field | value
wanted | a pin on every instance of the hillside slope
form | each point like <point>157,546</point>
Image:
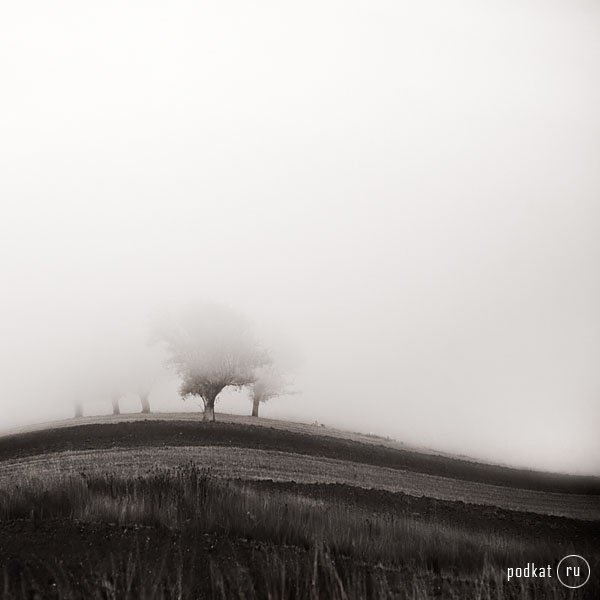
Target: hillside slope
<point>261,451</point>
<point>277,510</point>
<point>232,430</point>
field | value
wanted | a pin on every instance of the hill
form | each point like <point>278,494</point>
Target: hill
<point>274,509</point>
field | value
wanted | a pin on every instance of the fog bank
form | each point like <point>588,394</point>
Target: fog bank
<point>407,192</point>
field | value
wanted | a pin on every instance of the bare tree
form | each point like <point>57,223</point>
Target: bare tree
<point>211,348</point>
<point>268,383</point>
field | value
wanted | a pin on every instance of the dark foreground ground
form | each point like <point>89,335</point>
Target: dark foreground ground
<point>183,533</point>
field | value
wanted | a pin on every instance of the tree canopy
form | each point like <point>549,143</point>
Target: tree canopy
<point>211,347</point>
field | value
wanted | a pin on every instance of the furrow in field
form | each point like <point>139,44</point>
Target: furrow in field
<point>248,463</point>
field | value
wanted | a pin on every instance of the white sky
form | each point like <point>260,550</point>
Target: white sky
<point>408,190</point>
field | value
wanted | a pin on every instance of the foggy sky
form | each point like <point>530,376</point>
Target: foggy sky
<point>407,190</point>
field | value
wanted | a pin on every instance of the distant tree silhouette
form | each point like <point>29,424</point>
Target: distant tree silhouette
<point>144,394</point>
<point>268,383</point>
<point>115,403</point>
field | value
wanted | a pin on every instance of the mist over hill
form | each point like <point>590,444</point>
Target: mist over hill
<point>411,198</point>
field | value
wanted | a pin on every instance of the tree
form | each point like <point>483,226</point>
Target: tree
<point>268,383</point>
<point>145,370</point>
<point>143,394</point>
<point>115,403</point>
<point>113,367</point>
<point>211,348</point>
<point>137,372</point>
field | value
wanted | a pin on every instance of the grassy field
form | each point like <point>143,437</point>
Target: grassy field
<point>222,521</point>
<point>133,431</point>
<point>250,463</point>
<point>342,550</point>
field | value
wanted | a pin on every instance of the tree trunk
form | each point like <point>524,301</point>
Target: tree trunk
<point>145,404</point>
<point>209,410</point>
<point>116,407</point>
<point>78,410</point>
<point>255,403</point>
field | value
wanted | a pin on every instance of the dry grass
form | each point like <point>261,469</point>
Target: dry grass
<point>187,497</point>
<point>313,575</point>
<point>349,555</point>
<point>249,463</point>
